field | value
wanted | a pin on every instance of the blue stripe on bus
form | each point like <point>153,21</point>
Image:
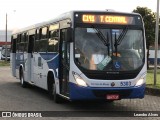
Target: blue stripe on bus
<point>47,56</point>
<point>52,63</point>
<point>84,93</point>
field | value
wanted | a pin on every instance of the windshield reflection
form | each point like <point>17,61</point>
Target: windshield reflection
<point>109,49</point>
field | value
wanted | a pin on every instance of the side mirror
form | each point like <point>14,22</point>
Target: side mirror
<point>69,34</point>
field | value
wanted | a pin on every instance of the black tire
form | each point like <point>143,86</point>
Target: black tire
<point>22,82</point>
<point>52,92</point>
<point>50,87</point>
<point>56,97</point>
<point>53,95</point>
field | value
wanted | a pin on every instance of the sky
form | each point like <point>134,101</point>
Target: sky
<point>23,13</point>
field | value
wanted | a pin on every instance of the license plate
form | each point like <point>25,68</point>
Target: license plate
<point>112,97</point>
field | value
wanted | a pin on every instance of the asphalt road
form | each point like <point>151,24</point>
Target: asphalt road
<point>15,98</point>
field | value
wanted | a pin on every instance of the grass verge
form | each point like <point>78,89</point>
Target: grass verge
<point>150,78</point>
<point>4,63</point>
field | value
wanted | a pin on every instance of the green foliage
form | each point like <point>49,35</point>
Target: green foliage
<point>150,78</point>
<point>4,63</point>
<point>149,22</point>
<point>149,19</point>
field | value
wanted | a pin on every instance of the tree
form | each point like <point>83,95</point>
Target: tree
<point>149,23</point>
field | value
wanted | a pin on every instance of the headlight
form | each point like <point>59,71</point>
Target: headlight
<point>79,79</point>
<point>140,82</point>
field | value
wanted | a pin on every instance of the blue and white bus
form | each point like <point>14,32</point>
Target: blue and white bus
<point>83,55</point>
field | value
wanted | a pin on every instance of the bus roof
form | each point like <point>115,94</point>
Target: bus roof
<point>67,15</point>
<point>59,18</point>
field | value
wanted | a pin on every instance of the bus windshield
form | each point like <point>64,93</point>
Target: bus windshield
<point>100,49</point>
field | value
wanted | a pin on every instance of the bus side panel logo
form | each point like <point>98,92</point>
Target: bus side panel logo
<point>112,84</point>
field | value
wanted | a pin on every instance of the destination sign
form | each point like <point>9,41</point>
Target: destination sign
<point>107,19</point>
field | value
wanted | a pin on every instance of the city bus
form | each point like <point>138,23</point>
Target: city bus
<point>83,55</point>
<point>3,52</point>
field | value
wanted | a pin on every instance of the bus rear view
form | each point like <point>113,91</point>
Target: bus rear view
<point>109,60</point>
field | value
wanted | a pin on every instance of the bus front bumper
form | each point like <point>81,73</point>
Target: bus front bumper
<point>90,93</point>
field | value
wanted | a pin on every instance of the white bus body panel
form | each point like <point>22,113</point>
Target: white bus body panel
<point>13,64</point>
<point>39,71</point>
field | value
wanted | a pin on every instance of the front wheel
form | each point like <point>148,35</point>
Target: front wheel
<point>55,96</point>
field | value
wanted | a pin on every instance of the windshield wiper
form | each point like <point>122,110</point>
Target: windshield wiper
<point>120,38</point>
<point>123,33</point>
<point>102,38</point>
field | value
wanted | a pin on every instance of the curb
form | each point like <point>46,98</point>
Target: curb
<point>152,91</point>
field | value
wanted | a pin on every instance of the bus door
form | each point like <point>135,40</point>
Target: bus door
<point>64,63</point>
<point>29,63</point>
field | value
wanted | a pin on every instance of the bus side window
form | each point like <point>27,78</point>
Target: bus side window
<point>13,45</point>
<point>40,32</point>
<point>21,43</point>
<point>53,41</point>
<point>43,42</point>
<point>37,34</point>
<point>43,34</point>
<point>31,43</point>
<point>36,43</point>
<point>31,39</point>
<point>17,46</point>
<point>25,42</point>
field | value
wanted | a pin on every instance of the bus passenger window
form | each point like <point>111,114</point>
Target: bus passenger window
<point>21,45</point>
<point>44,33</point>
<point>43,42</point>
<point>53,41</point>
<point>25,36</point>
<point>43,45</point>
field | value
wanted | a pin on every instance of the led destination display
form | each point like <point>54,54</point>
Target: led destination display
<point>107,19</point>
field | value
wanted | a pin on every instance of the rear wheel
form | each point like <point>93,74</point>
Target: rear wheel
<point>23,83</point>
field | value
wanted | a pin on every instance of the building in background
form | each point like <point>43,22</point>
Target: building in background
<point>3,37</point>
<point>152,55</point>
